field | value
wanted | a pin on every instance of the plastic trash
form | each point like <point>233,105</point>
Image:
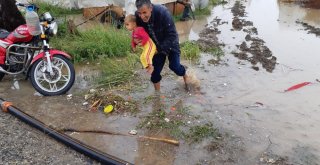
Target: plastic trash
<point>297,86</point>
<point>108,108</point>
<point>33,23</point>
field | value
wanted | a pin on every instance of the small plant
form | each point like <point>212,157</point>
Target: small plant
<point>190,50</point>
<point>160,120</point>
<point>218,52</point>
<point>216,2</point>
<point>116,71</point>
<point>204,11</point>
<point>168,122</point>
<point>200,132</point>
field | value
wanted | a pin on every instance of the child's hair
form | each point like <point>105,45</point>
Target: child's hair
<point>130,18</point>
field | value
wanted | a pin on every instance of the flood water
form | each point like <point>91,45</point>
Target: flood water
<point>264,122</point>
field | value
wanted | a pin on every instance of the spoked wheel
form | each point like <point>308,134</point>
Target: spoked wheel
<point>59,82</point>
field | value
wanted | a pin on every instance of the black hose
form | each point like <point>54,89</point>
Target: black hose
<point>67,140</point>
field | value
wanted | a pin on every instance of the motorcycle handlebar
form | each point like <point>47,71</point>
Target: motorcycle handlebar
<point>21,4</point>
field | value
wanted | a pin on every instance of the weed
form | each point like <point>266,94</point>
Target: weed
<point>204,11</point>
<point>217,2</point>
<point>149,99</point>
<point>200,132</point>
<point>217,52</point>
<point>115,72</point>
<point>160,120</point>
<point>190,50</point>
<point>172,122</point>
<point>62,28</point>
<point>95,43</point>
<point>120,105</point>
<point>55,10</point>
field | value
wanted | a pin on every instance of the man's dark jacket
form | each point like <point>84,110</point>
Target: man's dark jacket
<point>165,34</point>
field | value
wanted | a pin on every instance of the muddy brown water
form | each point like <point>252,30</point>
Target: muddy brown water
<point>263,124</point>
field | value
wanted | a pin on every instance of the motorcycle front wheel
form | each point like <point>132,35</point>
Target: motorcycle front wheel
<point>57,84</point>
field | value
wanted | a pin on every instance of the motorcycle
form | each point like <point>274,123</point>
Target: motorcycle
<point>21,52</point>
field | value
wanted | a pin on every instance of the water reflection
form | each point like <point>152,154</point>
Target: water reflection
<point>289,13</point>
<point>189,30</point>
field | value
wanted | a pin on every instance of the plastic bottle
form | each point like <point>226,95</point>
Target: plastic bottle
<point>33,22</point>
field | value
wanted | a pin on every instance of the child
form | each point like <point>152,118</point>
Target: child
<point>141,38</point>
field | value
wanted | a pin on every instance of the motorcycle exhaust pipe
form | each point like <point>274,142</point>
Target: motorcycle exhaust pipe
<point>65,139</point>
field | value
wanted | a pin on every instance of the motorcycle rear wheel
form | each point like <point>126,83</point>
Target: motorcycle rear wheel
<point>51,85</point>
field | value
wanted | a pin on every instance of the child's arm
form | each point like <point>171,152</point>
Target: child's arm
<point>143,35</point>
<point>133,44</point>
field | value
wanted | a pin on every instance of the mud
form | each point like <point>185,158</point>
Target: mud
<point>208,38</point>
<point>257,53</point>
<point>315,4</point>
<point>259,124</point>
<point>309,28</point>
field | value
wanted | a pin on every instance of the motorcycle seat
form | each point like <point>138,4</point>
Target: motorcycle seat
<point>4,33</point>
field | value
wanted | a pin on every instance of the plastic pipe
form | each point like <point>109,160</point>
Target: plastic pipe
<point>65,139</point>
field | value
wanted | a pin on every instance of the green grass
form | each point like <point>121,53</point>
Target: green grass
<point>156,121</point>
<point>95,43</point>
<point>199,132</point>
<point>204,11</point>
<point>55,10</point>
<point>190,50</point>
<point>215,51</point>
<point>117,71</point>
<point>177,125</point>
<point>217,2</point>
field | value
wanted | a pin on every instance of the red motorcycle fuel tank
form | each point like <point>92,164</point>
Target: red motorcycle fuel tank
<point>20,34</point>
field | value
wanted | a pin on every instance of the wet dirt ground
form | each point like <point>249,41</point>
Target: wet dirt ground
<point>267,50</point>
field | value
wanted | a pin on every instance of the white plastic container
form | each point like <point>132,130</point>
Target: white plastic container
<point>33,22</point>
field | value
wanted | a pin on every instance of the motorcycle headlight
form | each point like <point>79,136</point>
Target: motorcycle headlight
<point>53,28</point>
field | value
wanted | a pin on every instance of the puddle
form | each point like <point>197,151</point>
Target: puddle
<point>262,123</point>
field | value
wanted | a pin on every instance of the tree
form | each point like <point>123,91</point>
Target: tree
<point>10,16</point>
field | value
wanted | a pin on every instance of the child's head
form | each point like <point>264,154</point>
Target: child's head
<point>130,22</point>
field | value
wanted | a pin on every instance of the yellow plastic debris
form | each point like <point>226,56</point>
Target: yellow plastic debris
<point>108,108</point>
